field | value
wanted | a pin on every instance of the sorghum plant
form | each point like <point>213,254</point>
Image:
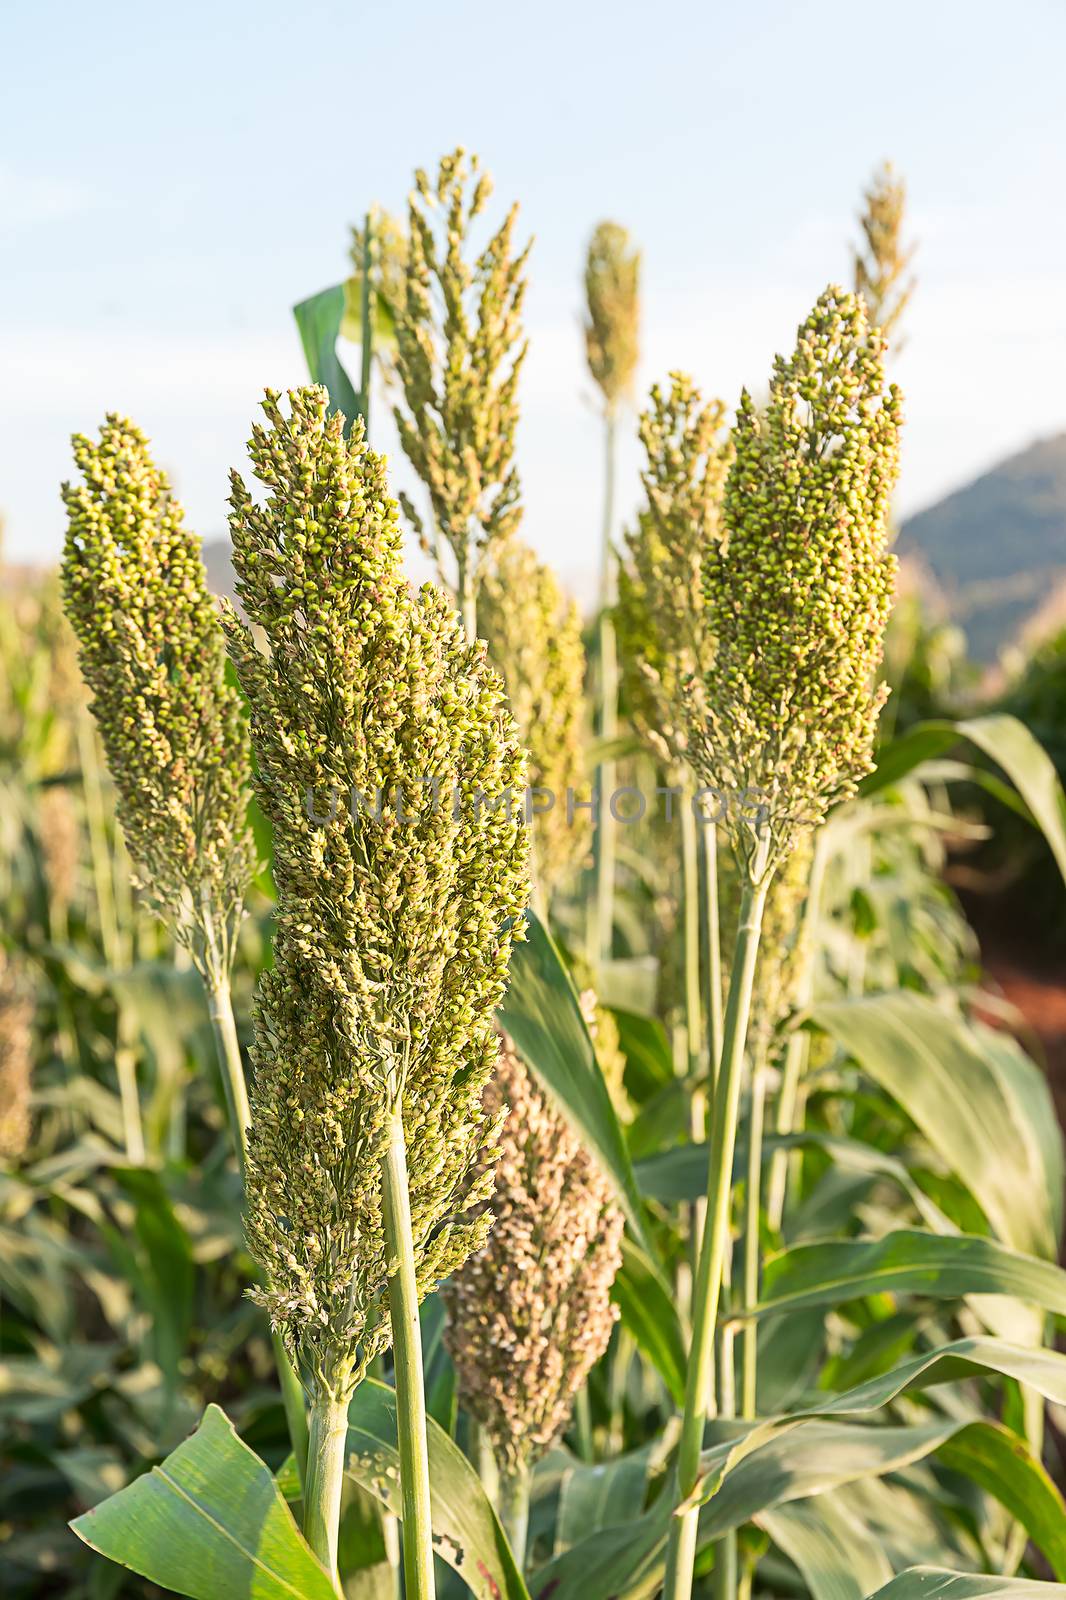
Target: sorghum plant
<point>662,629</point>
<point>798,595</point>
<point>153,656</point>
<point>460,350</point>
<point>530,1313</point>
<point>612,331</point>
<point>882,264</point>
<point>385,760</point>
<point>534,641</point>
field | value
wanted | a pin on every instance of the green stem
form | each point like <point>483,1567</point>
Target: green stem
<point>606,842</point>
<point>325,1480</point>
<point>487,1470</point>
<point>407,1355</point>
<point>681,1553</point>
<point>367,350</point>
<point>606,832</point>
<point>712,944</point>
<point>724,1575</point>
<point>228,1048</point>
<point>690,879</point>
<point>797,1049</point>
<point>749,1344</point>
<point>514,1511</point>
<point>467,597</point>
<point>583,1425</point>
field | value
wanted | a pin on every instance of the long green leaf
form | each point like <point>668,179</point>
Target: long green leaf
<point>208,1523</point>
<point>996,1459</point>
<point>979,1101</point>
<point>680,1175</point>
<point>542,1014</point>
<point>466,1532</point>
<point>1005,741</point>
<point>936,1583</point>
<point>625,1562</point>
<point>594,1495</point>
<point>319,320</point>
<point>837,1557</point>
<point>762,1464</point>
<point>907,1262</point>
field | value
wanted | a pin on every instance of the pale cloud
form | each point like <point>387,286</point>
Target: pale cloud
<point>29,199</point>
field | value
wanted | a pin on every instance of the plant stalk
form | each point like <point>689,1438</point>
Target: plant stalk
<point>410,1387</point>
<point>798,1047</point>
<point>681,1552</point>
<point>367,343</point>
<point>749,1343</point>
<point>514,1511</point>
<point>467,597</point>
<point>325,1480</point>
<point>690,879</point>
<point>712,945</point>
<point>227,1045</point>
<point>606,842</point>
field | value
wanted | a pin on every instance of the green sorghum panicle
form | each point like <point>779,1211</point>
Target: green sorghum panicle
<point>881,266</point>
<point>153,656</point>
<point>663,638</point>
<point>530,1314</point>
<point>460,349</point>
<point>383,744</point>
<point>799,592</point>
<point>534,641</point>
<point>612,295</point>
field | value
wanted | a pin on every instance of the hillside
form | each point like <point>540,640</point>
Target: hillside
<point>997,548</point>
<point>220,579</point>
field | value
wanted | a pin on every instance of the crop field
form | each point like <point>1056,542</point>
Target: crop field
<point>498,1097</point>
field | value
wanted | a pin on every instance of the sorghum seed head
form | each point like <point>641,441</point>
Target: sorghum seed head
<point>799,592</point>
<point>153,656</point>
<point>534,642</point>
<point>395,914</point>
<point>530,1313</point>
<point>459,366</point>
<point>664,641</point>
<point>612,295</point>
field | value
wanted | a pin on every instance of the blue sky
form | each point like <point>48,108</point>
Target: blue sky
<point>172,179</point>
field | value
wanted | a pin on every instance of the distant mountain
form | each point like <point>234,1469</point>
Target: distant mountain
<point>220,575</point>
<point>997,548</point>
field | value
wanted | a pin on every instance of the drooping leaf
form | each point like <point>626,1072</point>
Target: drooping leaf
<point>680,1175</point>
<point>164,1271</point>
<point>836,1556</point>
<point>626,1561</point>
<point>319,320</point>
<point>907,1262</point>
<point>983,1106</point>
<point>542,1015</point>
<point>593,1495</point>
<point>758,1465</point>
<point>937,1583</point>
<point>1002,1463</point>
<point>466,1532</point>
<point>1005,741</point>
<point>208,1523</point>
